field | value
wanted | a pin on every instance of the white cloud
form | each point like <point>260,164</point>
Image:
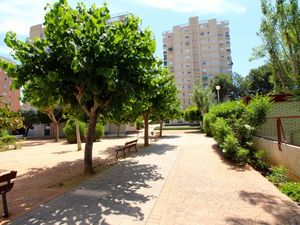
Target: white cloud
<point>199,6</point>
<point>19,15</point>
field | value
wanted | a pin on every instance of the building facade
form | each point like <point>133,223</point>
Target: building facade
<point>8,97</point>
<point>196,52</point>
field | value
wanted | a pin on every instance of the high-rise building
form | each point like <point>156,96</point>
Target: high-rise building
<point>195,53</point>
<point>7,96</point>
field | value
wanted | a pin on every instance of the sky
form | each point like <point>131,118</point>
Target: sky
<point>159,15</point>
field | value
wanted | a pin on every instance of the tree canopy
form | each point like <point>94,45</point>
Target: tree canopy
<point>280,32</point>
<point>87,59</point>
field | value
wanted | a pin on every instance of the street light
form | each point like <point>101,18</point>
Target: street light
<point>218,89</point>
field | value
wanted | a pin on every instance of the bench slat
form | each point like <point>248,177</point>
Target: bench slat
<point>8,176</point>
<point>6,188</point>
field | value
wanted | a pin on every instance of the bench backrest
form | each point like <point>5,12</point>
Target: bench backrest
<point>131,142</point>
<point>5,181</point>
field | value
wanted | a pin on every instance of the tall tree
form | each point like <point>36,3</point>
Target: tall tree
<point>10,120</point>
<point>280,32</point>
<point>240,86</point>
<point>88,59</point>
<point>260,80</point>
<point>225,83</point>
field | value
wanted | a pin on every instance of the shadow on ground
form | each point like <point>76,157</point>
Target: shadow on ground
<point>117,193</point>
<point>233,166</point>
<point>282,211</point>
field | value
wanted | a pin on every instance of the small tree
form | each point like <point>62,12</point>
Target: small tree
<point>192,114</point>
<point>202,97</point>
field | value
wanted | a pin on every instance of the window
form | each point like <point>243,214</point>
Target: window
<point>202,33</point>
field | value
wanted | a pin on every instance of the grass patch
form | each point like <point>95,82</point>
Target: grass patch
<point>179,128</point>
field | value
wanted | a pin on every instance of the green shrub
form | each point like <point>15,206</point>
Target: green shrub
<point>278,175</point>
<point>230,146</point>
<point>191,114</point>
<point>291,189</point>
<point>139,123</point>
<point>241,155</point>
<point>70,131</point>
<point>208,120</point>
<point>228,110</point>
<point>220,129</point>
<point>99,131</point>
<point>257,110</point>
<point>258,161</point>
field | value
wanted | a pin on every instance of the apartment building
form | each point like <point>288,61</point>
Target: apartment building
<point>195,53</point>
<point>7,96</point>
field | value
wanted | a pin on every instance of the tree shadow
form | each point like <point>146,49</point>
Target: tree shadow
<point>155,148</point>
<point>169,137</point>
<point>36,142</point>
<point>115,192</point>
<point>283,211</point>
<point>232,165</point>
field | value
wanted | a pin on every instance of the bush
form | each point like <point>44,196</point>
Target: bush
<point>192,114</point>
<point>230,146</point>
<point>208,120</point>
<point>139,123</point>
<point>99,131</point>
<point>292,189</point>
<point>241,155</point>
<point>70,131</point>
<point>257,109</point>
<point>278,175</point>
<point>220,130</point>
<point>258,161</point>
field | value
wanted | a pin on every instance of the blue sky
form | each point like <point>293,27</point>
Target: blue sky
<point>243,16</point>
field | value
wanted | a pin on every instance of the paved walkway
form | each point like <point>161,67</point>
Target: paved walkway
<point>181,179</point>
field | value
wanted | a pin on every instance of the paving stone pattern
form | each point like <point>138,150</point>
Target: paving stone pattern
<point>179,180</point>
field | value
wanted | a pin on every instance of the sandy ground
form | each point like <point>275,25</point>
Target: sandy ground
<point>47,169</point>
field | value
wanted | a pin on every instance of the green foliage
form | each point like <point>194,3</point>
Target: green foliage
<point>260,81</point>
<point>233,124</point>
<point>208,119</point>
<point>258,161</point>
<point>202,97</point>
<point>192,114</point>
<point>279,31</point>
<point>7,141</point>
<point>10,120</point>
<point>99,131</point>
<point>220,130</point>
<point>225,83</point>
<point>70,131</point>
<point>139,123</point>
<point>291,189</point>
<point>257,109</point>
<point>278,175</point>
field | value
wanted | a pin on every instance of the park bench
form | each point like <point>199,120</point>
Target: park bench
<point>5,186</point>
<point>128,145</point>
<point>155,136</point>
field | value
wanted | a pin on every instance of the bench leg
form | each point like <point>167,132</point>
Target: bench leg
<point>124,155</point>
<point>117,152</point>
<point>135,148</point>
<point>5,208</point>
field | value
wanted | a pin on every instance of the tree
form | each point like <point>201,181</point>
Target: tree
<point>225,83</point>
<point>240,87</point>
<point>260,80</point>
<point>280,32</point>
<point>192,114</point>
<point>87,59</point>
<point>202,97</point>
<point>10,120</point>
<point>166,105</point>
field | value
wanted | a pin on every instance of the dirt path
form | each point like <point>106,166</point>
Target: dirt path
<point>47,169</point>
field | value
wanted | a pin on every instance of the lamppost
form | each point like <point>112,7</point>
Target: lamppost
<point>218,89</point>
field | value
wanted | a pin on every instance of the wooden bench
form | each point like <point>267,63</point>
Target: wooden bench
<point>155,136</point>
<point>5,186</point>
<point>128,145</point>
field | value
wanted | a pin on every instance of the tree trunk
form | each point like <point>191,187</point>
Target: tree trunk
<point>118,131</point>
<point>78,135</point>
<point>160,128</point>
<point>146,129</point>
<point>56,131</point>
<point>88,156</point>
